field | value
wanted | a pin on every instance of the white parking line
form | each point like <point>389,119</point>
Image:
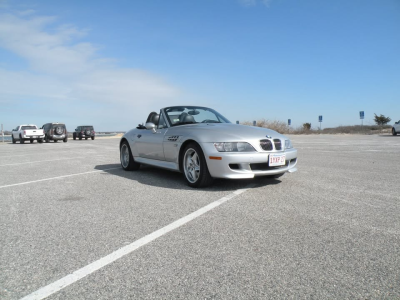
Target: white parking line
<point>34,162</point>
<point>58,177</point>
<point>40,161</point>
<point>106,260</point>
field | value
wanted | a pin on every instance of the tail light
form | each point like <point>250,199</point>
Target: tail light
<point>24,132</point>
<point>93,132</point>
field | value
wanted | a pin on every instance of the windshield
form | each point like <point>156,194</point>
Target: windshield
<point>180,115</point>
<point>28,127</point>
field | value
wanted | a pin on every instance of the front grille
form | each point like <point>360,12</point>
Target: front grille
<point>266,145</point>
<point>266,167</point>
<point>278,144</point>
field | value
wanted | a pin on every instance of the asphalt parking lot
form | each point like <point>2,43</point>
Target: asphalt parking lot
<point>329,231</point>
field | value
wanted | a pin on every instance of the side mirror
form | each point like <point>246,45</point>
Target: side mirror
<point>151,126</point>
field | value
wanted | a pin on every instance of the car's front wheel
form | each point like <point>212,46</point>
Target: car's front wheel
<point>394,131</point>
<point>194,167</point>
<point>127,161</point>
<point>13,140</point>
<point>21,140</point>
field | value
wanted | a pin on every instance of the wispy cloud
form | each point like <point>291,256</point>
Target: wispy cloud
<point>61,65</point>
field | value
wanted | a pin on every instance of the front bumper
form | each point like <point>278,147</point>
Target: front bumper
<point>236,165</point>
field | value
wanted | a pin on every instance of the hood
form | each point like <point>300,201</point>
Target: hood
<point>224,132</point>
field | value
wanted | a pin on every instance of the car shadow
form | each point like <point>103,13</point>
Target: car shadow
<point>153,176</point>
<point>389,135</point>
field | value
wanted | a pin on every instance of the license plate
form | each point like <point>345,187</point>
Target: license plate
<point>277,160</point>
<point>34,137</point>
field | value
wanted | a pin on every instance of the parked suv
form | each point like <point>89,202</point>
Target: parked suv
<point>84,131</point>
<point>55,132</point>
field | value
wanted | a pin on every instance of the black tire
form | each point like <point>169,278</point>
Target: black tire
<point>394,131</point>
<point>194,167</point>
<point>80,137</point>
<point>55,141</point>
<point>59,130</point>
<point>46,138</point>
<point>40,141</point>
<point>86,138</point>
<point>92,138</point>
<point>31,141</point>
<point>21,140</point>
<point>126,158</point>
<point>65,140</point>
<point>74,136</point>
<point>13,140</point>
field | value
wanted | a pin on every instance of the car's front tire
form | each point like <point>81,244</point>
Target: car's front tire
<point>13,140</point>
<point>21,140</point>
<point>127,161</point>
<point>194,167</point>
<point>394,131</point>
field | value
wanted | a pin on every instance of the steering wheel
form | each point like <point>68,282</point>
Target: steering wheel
<point>209,121</point>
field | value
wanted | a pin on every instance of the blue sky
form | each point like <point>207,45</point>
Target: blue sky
<point>110,63</point>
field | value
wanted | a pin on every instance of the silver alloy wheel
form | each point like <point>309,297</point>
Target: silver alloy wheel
<point>125,156</point>
<point>191,165</point>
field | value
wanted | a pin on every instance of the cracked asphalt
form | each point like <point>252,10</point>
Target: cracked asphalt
<point>331,230</point>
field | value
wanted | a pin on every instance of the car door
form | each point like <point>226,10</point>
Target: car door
<point>15,133</point>
<point>397,126</point>
<point>150,144</point>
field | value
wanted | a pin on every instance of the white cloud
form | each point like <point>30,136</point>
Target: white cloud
<point>62,66</point>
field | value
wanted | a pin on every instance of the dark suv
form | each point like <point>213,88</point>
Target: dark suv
<point>84,131</point>
<point>55,132</point>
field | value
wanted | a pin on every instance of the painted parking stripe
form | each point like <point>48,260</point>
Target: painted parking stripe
<point>41,161</point>
<point>58,177</point>
<point>112,257</point>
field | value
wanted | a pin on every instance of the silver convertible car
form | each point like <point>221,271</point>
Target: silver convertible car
<point>202,144</point>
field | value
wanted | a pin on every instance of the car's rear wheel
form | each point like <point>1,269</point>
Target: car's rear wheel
<point>65,140</point>
<point>21,140</point>
<point>92,138</point>
<point>127,161</point>
<point>31,141</point>
<point>394,131</point>
<point>80,137</point>
<point>86,138</point>
<point>40,141</point>
<point>55,141</point>
<point>194,167</point>
<point>47,139</point>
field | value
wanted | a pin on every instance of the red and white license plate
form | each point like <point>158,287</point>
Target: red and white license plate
<point>277,160</point>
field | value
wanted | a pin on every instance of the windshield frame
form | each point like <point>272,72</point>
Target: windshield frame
<point>183,108</point>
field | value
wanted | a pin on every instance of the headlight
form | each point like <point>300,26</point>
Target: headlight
<point>288,144</point>
<point>234,147</point>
